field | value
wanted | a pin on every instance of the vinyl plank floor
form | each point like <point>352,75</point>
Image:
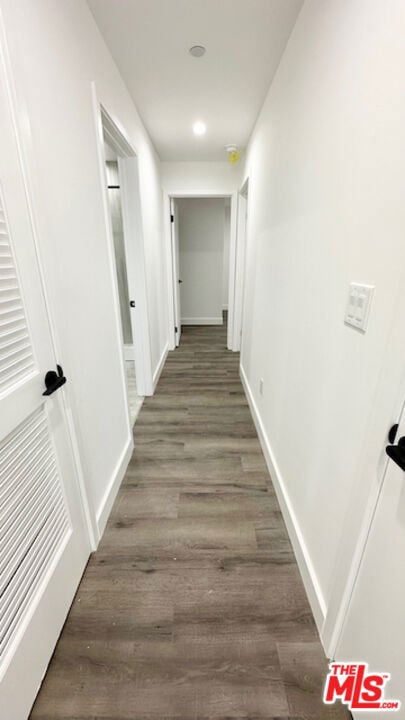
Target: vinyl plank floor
<point>192,608</point>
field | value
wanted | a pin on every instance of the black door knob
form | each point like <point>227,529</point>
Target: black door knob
<point>393,433</point>
<point>180,281</point>
<point>397,453</point>
<point>132,303</point>
<point>54,380</point>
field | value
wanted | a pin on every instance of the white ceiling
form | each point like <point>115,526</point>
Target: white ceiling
<point>150,39</point>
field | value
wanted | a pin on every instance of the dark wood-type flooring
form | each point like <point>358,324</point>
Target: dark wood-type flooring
<point>193,607</point>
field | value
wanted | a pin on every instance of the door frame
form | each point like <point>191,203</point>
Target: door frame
<point>240,260</point>
<point>175,250</point>
<point>168,196</point>
<point>106,124</point>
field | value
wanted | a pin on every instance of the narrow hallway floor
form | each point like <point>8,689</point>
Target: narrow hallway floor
<point>193,607</point>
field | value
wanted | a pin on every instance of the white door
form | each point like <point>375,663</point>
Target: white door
<point>176,269</point>
<point>135,258</point>
<point>43,542</point>
<point>374,630</point>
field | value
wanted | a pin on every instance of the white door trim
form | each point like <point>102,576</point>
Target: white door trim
<point>168,196</point>
<point>175,259</point>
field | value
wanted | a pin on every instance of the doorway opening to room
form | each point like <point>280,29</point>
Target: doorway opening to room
<point>126,303</point>
<point>119,174</point>
<point>200,250</point>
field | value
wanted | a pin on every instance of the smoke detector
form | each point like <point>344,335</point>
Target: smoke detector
<point>197,51</point>
<point>233,153</point>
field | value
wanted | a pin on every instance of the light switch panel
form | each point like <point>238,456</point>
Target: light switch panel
<point>358,305</point>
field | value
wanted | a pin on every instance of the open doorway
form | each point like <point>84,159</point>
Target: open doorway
<point>126,303</point>
<point>200,242</point>
<point>119,175</point>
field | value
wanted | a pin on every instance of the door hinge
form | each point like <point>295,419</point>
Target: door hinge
<point>176,329</point>
<point>171,218</point>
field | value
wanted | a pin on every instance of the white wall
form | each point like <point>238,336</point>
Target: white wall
<point>201,245</point>
<point>326,207</point>
<point>225,264</point>
<point>56,52</point>
<point>183,178</point>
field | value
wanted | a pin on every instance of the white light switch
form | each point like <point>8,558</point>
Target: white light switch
<point>358,305</point>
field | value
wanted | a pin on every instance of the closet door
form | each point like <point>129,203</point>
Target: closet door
<point>44,543</point>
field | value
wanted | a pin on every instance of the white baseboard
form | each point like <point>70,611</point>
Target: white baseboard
<point>306,568</point>
<point>160,366</point>
<point>113,486</point>
<point>129,353</point>
<point>202,321</point>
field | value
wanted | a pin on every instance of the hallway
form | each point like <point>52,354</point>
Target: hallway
<point>192,607</point>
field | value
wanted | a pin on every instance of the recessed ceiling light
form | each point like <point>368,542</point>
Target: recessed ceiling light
<point>199,128</point>
<point>197,50</point>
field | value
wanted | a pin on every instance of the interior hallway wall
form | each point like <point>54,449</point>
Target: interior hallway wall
<point>326,208</point>
<point>216,178</point>
<point>201,246</point>
<point>56,52</point>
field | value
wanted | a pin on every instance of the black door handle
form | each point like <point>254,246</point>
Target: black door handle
<point>393,433</point>
<point>132,303</point>
<point>180,281</point>
<point>54,380</point>
<point>397,453</point>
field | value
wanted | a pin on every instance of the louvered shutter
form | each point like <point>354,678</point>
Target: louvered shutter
<point>33,518</point>
<point>16,356</point>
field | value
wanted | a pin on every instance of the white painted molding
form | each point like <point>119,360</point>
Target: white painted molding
<point>306,568</point>
<point>88,511</point>
<point>202,321</point>
<point>160,366</point>
<point>113,487</point>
